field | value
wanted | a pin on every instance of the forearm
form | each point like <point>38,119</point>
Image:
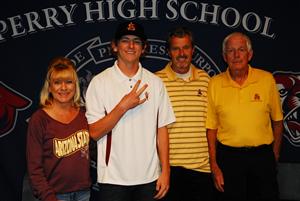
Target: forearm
<point>163,182</point>
<point>277,132</point>
<point>211,135</point>
<point>107,123</point>
<point>216,171</point>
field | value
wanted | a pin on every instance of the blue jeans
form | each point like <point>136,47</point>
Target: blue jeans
<point>74,196</point>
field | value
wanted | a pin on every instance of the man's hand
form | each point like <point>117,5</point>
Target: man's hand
<point>132,99</point>
<point>162,185</point>
<point>218,178</point>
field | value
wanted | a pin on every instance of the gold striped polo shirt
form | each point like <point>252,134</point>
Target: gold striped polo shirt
<point>188,143</point>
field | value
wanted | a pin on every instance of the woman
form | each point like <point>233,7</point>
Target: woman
<point>58,138</point>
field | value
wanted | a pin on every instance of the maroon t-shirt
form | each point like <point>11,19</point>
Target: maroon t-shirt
<point>57,155</point>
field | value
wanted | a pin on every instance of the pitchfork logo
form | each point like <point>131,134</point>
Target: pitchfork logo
<point>288,84</point>
<point>11,102</point>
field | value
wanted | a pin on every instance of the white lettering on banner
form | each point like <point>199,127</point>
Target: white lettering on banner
<point>96,11</point>
<point>125,9</point>
<point>226,13</point>
<point>152,9</point>
<point>158,49</point>
<point>113,10</point>
<point>3,30</point>
<point>214,13</point>
<point>21,26</point>
<point>17,27</point>
<point>183,10</point>
<point>120,9</point>
<point>32,19</point>
<point>211,17</point>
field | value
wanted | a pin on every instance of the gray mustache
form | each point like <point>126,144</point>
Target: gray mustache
<point>181,57</point>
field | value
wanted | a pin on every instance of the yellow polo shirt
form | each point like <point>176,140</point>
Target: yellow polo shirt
<point>242,114</point>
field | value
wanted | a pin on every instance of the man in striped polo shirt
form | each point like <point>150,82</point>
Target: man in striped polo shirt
<point>187,88</point>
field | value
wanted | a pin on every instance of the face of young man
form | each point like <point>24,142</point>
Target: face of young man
<point>62,88</point>
<point>236,54</point>
<point>181,52</point>
<point>129,49</point>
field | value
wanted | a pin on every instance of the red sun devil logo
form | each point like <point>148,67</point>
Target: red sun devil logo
<point>10,103</point>
<point>288,84</point>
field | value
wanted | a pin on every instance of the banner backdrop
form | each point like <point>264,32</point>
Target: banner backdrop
<point>32,33</point>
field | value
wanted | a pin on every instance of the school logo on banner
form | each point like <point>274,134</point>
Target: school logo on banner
<point>11,102</point>
<point>288,84</point>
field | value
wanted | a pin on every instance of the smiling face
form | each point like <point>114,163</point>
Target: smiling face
<point>129,49</point>
<point>62,86</point>
<point>181,51</point>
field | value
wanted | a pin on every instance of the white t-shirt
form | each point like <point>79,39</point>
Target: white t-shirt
<point>133,158</point>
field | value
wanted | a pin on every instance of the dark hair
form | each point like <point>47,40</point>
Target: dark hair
<point>179,32</point>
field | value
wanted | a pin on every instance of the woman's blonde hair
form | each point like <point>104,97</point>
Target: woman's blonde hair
<point>59,65</point>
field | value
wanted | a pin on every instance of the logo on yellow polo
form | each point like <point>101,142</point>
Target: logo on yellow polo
<point>256,97</point>
<point>72,144</point>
